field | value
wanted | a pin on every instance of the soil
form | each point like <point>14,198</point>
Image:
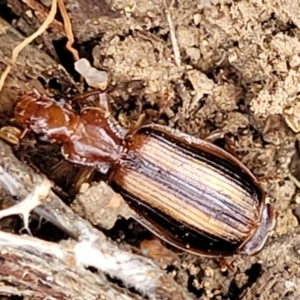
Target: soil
<point>237,70</point>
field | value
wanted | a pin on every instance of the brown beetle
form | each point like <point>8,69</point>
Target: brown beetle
<point>188,191</point>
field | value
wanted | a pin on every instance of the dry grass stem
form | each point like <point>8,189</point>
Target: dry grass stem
<point>68,29</point>
<point>27,41</point>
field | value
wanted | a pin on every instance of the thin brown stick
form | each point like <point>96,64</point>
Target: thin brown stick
<point>68,29</point>
<point>27,41</point>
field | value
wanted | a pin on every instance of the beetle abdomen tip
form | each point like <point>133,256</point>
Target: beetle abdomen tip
<point>263,230</point>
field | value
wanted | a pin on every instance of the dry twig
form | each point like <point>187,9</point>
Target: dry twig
<point>27,41</point>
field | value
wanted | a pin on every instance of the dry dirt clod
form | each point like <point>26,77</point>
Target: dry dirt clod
<point>109,206</point>
<point>291,114</point>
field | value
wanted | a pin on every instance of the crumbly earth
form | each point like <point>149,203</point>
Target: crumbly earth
<point>238,72</point>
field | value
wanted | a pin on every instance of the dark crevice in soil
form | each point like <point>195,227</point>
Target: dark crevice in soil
<point>278,26</point>
<point>6,13</point>
<point>128,231</point>
<point>253,273</point>
<point>47,231</point>
<point>234,291</point>
<point>54,84</point>
<point>85,48</point>
<point>65,56</point>
<point>159,32</point>
<point>197,292</point>
<point>122,286</point>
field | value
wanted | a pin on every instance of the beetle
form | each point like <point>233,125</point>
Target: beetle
<point>188,191</point>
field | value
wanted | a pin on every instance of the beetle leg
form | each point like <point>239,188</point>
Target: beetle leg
<point>224,265</point>
<point>219,135</point>
<point>137,124</point>
<point>23,134</point>
<point>229,148</point>
<point>271,178</point>
<point>214,136</point>
<point>84,175</point>
<point>84,95</point>
<point>164,103</point>
<point>102,103</point>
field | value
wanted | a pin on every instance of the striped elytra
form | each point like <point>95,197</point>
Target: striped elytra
<point>189,192</point>
<point>185,192</point>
